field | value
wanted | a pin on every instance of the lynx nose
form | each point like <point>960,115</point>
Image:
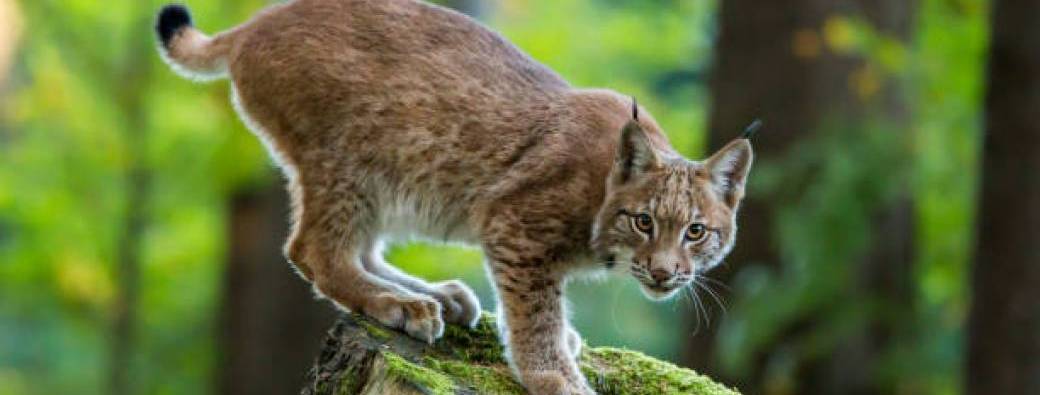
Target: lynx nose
<point>660,275</point>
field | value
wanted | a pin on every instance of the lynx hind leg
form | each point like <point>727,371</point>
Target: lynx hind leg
<point>459,305</point>
<point>336,272</point>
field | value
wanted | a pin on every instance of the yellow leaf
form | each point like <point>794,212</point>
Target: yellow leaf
<point>85,282</point>
<point>865,82</point>
<point>840,34</point>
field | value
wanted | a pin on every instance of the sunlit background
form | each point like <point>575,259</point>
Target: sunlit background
<point>140,222</point>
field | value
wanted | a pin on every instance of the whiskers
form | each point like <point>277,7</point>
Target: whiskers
<point>639,272</point>
<point>701,309</point>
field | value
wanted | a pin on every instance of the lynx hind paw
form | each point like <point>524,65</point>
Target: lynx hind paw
<point>461,305</point>
<point>418,315</point>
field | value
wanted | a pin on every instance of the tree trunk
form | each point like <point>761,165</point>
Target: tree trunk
<point>362,357</point>
<point>1004,323</point>
<point>270,322</point>
<point>773,62</point>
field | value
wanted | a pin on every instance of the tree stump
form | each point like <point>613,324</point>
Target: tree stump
<point>361,356</point>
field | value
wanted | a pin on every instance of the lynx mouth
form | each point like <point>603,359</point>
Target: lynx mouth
<point>658,291</point>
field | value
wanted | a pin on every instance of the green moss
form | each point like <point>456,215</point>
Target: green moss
<point>622,372</point>
<point>348,384</point>
<point>478,345</point>
<point>321,388</point>
<point>482,379</point>
<point>473,357</point>
<point>472,361</point>
<point>374,330</point>
<point>429,380</point>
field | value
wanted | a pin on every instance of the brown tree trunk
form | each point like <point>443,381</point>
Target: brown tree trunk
<point>772,61</point>
<point>1004,323</point>
<point>271,324</point>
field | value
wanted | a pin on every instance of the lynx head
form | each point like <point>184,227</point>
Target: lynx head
<point>667,219</point>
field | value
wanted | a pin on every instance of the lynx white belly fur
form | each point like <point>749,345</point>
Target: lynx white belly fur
<point>395,118</point>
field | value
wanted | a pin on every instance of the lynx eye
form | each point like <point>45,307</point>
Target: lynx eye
<point>643,223</point>
<point>696,232</point>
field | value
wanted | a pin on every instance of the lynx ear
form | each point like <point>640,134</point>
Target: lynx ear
<point>729,169</point>
<point>634,156</point>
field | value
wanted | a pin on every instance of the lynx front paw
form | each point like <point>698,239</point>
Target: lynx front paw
<point>554,383</point>
<point>418,315</point>
<point>460,304</point>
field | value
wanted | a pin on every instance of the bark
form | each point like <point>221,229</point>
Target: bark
<point>1004,322</point>
<point>362,357</point>
<point>772,62</point>
<point>270,323</point>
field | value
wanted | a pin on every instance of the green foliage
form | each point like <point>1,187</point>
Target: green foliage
<point>952,50</point>
<point>87,77</point>
<point>654,51</point>
<point>824,232</point>
<point>826,225</point>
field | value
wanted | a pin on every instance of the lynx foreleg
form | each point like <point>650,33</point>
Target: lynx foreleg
<point>534,327</point>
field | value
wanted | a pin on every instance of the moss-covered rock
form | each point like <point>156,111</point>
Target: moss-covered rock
<point>362,357</point>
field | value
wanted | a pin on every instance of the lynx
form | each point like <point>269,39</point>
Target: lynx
<point>394,119</point>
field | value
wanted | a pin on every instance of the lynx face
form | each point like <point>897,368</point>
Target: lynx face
<point>669,219</point>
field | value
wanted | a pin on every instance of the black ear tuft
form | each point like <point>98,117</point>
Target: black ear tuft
<point>752,129</point>
<point>635,109</point>
<point>172,18</point>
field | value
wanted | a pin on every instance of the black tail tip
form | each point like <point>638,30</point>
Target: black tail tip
<point>172,18</point>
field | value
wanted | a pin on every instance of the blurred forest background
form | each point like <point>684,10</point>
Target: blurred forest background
<point>141,224</point>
